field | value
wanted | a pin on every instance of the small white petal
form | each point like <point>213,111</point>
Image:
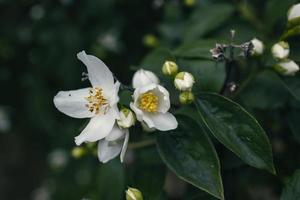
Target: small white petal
<point>163,121</point>
<point>164,99</point>
<point>140,115</point>
<point>98,127</point>
<point>98,73</point>
<point>144,77</point>
<point>73,103</point>
<point>113,96</point>
<point>115,134</point>
<point>294,12</point>
<point>108,150</point>
<point>125,145</point>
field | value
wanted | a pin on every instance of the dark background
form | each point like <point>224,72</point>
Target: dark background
<point>39,41</point>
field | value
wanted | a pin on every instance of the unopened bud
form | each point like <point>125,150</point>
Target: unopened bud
<point>127,118</point>
<point>186,97</point>
<point>189,3</point>
<point>170,68</point>
<point>150,40</point>
<point>294,15</point>
<point>133,194</point>
<point>287,67</point>
<point>258,47</point>
<point>281,50</point>
<point>78,152</point>
<point>184,81</point>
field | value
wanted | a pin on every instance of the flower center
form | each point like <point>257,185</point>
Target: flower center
<point>96,101</point>
<point>148,102</point>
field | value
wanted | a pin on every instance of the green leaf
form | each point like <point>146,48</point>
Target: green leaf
<point>206,19</point>
<point>190,154</point>
<point>209,75</point>
<point>292,84</point>
<point>236,129</point>
<point>111,180</point>
<point>292,188</point>
<point>293,122</point>
<point>196,49</point>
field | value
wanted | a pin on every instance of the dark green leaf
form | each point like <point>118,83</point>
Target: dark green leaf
<point>111,180</point>
<point>236,129</point>
<point>292,188</point>
<point>293,122</point>
<point>189,153</point>
<point>209,75</point>
<point>292,84</point>
<point>206,19</point>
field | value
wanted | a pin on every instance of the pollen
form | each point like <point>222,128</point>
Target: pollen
<point>96,101</point>
<point>148,102</point>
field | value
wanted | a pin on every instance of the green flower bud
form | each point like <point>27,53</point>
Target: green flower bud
<point>127,118</point>
<point>186,97</point>
<point>170,68</point>
<point>189,3</point>
<point>150,40</point>
<point>184,81</point>
<point>133,194</point>
<point>78,152</point>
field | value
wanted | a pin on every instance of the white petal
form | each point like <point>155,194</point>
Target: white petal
<point>98,128</point>
<point>141,116</point>
<point>164,99</point>
<point>163,121</point>
<point>113,96</point>
<point>144,77</point>
<point>98,72</point>
<point>125,145</point>
<point>108,150</point>
<point>115,134</point>
<point>73,103</point>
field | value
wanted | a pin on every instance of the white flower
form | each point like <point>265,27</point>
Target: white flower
<point>144,77</point>
<point>258,46</point>
<point>281,50</point>
<point>98,102</point>
<point>287,67</point>
<point>294,14</point>
<point>127,118</point>
<point>114,144</point>
<point>184,81</point>
<point>151,105</point>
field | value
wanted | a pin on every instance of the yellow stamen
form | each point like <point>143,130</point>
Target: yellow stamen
<point>96,100</point>
<point>148,102</point>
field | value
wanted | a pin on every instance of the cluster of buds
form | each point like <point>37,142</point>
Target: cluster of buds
<point>183,81</point>
<point>284,66</point>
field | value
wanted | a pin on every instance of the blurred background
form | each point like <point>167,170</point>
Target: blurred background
<point>39,41</point>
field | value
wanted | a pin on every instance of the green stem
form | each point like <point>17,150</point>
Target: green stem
<point>141,144</point>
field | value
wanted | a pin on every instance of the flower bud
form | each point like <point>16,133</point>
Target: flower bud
<point>127,118</point>
<point>189,3</point>
<point>170,68</point>
<point>287,67</point>
<point>258,46</point>
<point>294,15</point>
<point>186,97</point>
<point>78,152</point>
<point>144,77</point>
<point>150,40</point>
<point>133,194</point>
<point>184,81</point>
<point>281,50</point>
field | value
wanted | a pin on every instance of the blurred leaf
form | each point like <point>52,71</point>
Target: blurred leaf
<point>206,19</point>
<point>155,60</point>
<point>196,49</point>
<point>189,153</point>
<point>292,85</point>
<point>236,129</point>
<point>209,75</point>
<point>111,181</point>
<point>292,188</point>
<point>265,91</point>
<point>150,181</point>
<point>293,122</point>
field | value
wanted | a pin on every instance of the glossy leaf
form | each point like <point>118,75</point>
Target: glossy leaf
<point>292,85</point>
<point>236,129</point>
<point>292,188</point>
<point>189,153</point>
<point>293,122</point>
